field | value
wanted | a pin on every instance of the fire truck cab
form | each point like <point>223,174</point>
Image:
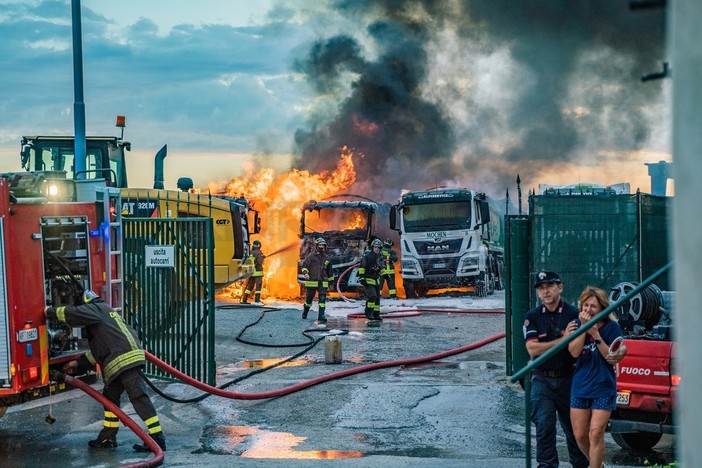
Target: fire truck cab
<point>58,238</point>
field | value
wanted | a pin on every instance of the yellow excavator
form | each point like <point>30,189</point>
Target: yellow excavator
<point>234,220</point>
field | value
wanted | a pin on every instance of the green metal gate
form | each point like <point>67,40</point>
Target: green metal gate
<point>169,291</point>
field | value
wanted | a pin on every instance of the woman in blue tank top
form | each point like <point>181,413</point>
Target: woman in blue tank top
<point>594,390</point>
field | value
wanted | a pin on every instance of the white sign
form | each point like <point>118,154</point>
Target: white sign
<point>160,256</point>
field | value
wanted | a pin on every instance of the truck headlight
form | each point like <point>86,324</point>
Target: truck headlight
<point>410,266</point>
<point>469,263</point>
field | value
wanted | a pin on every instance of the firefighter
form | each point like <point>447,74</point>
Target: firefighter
<point>115,347</point>
<point>371,265</point>
<point>318,273</point>
<point>387,273</point>
<point>255,281</point>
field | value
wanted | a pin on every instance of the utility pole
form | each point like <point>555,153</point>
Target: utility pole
<point>78,103</point>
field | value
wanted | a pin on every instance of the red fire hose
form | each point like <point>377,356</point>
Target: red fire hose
<point>126,420</point>
<point>317,380</point>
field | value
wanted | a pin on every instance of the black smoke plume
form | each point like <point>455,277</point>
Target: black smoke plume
<point>474,92</point>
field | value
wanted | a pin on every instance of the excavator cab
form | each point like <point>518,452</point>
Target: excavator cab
<point>105,158</point>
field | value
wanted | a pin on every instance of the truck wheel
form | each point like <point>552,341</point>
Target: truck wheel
<point>410,292</point>
<point>500,283</point>
<point>640,441</point>
<point>480,289</point>
<point>491,284</point>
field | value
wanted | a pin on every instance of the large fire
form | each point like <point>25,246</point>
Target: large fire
<point>279,199</point>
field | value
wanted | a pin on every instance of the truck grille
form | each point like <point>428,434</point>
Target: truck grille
<point>438,248</point>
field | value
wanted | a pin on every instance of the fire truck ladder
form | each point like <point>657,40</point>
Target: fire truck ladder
<point>111,231</point>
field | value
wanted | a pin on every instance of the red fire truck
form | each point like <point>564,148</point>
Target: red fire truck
<point>58,237</point>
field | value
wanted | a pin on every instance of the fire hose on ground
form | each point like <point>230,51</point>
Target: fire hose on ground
<point>157,460</point>
<point>408,312</point>
<point>317,380</point>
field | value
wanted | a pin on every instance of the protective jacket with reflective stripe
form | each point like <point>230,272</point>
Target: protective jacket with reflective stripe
<point>256,258</point>
<point>114,345</point>
<point>371,264</point>
<point>320,269</point>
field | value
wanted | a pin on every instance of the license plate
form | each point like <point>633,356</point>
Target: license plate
<point>27,334</point>
<point>623,398</point>
<point>438,265</point>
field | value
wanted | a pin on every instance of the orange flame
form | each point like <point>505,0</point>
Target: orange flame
<point>279,199</point>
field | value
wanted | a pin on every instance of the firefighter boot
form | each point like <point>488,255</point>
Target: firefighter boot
<point>257,299</point>
<point>158,438</point>
<point>305,311</point>
<point>368,312</point>
<point>103,442</point>
<point>245,299</point>
<point>320,317</point>
<point>377,317</point>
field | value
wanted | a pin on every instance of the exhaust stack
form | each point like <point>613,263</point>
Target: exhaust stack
<point>158,167</point>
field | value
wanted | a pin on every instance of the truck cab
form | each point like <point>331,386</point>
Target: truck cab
<point>347,227</point>
<point>449,237</point>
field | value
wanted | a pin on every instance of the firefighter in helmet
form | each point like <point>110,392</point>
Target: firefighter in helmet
<point>255,281</point>
<point>369,271</point>
<point>318,274</point>
<point>115,347</point>
<point>387,273</point>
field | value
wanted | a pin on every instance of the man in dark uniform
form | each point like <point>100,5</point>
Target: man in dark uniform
<point>546,326</point>
<point>115,347</point>
<point>255,281</point>
<point>369,271</point>
<point>317,272</point>
<point>387,273</point>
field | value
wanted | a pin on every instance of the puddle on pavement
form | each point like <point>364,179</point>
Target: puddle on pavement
<point>251,442</point>
<point>433,364</point>
<point>261,363</point>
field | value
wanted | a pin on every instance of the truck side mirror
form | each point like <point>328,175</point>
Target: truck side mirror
<point>392,217</point>
<point>484,212</point>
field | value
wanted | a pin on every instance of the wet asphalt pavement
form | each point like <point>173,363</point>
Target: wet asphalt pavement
<point>459,411</point>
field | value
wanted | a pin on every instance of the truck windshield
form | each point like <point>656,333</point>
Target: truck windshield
<point>339,219</point>
<point>451,215</point>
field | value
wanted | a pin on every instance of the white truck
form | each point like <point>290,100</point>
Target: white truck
<point>449,238</point>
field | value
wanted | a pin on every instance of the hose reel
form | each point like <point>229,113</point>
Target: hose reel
<point>642,307</point>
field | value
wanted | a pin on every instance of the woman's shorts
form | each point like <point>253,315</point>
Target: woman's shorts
<point>601,403</point>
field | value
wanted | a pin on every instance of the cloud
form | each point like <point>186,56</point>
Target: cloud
<point>211,87</point>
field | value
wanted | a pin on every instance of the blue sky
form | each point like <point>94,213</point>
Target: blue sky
<point>428,92</point>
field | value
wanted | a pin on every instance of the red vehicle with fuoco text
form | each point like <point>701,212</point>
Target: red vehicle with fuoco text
<point>646,379</point>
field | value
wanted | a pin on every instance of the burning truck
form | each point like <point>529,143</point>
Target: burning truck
<point>347,227</point>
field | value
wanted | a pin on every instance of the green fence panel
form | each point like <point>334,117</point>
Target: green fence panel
<point>516,290</point>
<point>169,291</point>
<point>597,239</point>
